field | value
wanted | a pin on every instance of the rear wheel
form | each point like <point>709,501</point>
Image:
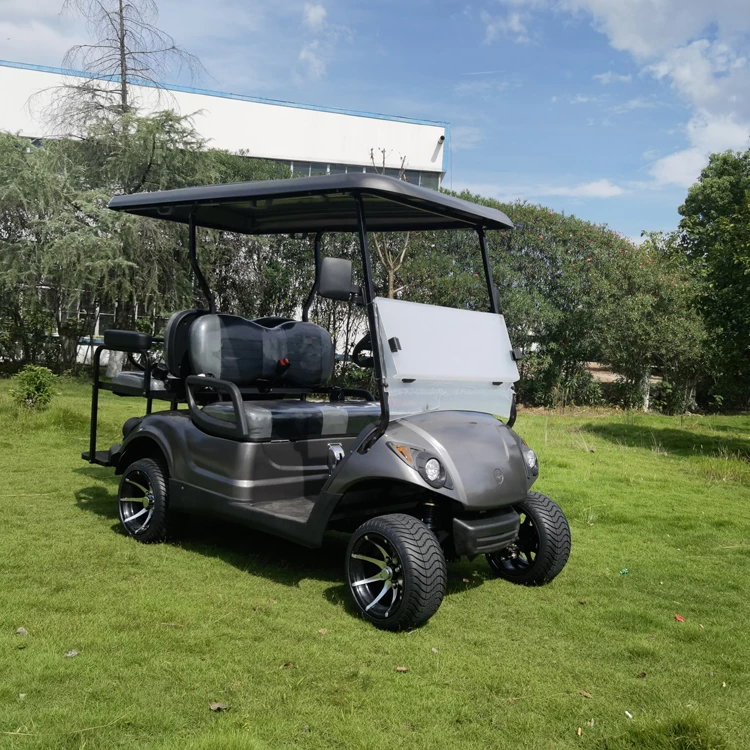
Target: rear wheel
<point>396,572</point>
<point>143,499</point>
<point>543,545</point>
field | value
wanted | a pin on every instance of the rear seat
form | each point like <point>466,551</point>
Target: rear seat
<point>176,337</point>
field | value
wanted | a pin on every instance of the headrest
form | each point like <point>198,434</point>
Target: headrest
<point>176,337</point>
<point>232,348</point>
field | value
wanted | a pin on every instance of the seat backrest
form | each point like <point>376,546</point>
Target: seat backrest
<point>176,341</point>
<point>243,352</point>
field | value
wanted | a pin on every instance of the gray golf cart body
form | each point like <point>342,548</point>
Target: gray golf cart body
<point>268,451</point>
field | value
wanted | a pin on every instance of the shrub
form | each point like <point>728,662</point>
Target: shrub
<point>624,393</point>
<point>668,398</point>
<point>32,387</point>
<point>543,383</point>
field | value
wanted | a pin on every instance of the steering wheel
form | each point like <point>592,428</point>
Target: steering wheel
<point>364,344</point>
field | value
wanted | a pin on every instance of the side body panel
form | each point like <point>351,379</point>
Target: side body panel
<point>273,486</point>
<point>284,487</point>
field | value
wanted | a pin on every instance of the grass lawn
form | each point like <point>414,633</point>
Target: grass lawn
<point>266,628</point>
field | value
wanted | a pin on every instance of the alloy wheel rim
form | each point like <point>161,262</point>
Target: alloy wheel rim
<point>136,502</point>
<point>376,575</point>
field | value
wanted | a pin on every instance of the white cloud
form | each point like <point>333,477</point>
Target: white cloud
<point>584,99</point>
<point>315,16</point>
<point>637,103</point>
<point>611,77</point>
<point>651,28</point>
<point>680,168</point>
<point>466,137</point>
<point>707,133</point>
<point>19,9</point>
<point>483,87</point>
<point>34,42</point>
<point>699,48</point>
<point>512,26</point>
<point>597,189</point>
<point>313,59</point>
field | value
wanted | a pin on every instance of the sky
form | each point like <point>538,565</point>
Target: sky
<point>607,109</point>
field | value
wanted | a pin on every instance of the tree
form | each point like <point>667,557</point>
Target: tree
<point>129,50</point>
<point>391,248</point>
<point>716,238</point>
<point>646,317</point>
<point>63,254</point>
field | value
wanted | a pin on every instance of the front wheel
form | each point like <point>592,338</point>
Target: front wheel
<point>396,571</point>
<point>543,545</point>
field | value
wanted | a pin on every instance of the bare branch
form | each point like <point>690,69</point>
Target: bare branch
<point>129,49</point>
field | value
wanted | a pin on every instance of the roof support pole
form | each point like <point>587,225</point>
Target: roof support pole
<point>368,294</point>
<point>311,297</point>
<point>192,247</point>
<point>494,306</point>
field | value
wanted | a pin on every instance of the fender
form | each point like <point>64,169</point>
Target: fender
<point>483,459</point>
<point>151,428</point>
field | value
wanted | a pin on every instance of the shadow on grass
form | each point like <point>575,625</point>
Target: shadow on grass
<point>257,553</point>
<point>679,442</point>
<point>457,584</point>
<point>687,733</point>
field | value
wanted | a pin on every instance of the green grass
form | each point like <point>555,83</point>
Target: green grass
<point>163,630</point>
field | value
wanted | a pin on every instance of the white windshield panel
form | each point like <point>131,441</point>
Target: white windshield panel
<point>444,359</point>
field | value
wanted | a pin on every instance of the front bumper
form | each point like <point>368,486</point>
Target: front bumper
<point>486,533</point>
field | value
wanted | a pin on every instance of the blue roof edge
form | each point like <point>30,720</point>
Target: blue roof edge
<point>223,95</point>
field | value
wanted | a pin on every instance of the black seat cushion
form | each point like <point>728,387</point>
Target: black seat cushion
<point>231,348</point>
<point>129,383</point>
<point>294,420</point>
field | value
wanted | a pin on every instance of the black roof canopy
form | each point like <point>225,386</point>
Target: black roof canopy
<point>312,204</point>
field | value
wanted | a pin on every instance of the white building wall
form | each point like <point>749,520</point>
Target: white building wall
<point>260,128</point>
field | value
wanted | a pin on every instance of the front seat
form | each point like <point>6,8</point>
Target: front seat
<point>291,354</point>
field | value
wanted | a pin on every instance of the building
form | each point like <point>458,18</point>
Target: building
<point>312,140</point>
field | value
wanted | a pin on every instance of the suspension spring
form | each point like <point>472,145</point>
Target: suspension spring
<point>430,516</point>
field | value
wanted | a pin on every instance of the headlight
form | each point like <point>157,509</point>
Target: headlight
<point>429,467</point>
<point>531,460</point>
<point>433,469</point>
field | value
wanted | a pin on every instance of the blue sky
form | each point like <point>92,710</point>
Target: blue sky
<point>602,108</point>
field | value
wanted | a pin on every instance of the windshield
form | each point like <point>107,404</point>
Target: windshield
<point>441,358</point>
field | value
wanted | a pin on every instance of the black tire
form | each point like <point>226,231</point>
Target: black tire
<point>403,555</point>
<point>143,500</point>
<point>543,545</point>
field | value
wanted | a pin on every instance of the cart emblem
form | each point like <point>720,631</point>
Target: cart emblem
<point>499,476</point>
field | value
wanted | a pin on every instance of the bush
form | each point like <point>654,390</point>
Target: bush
<point>32,387</point>
<point>668,398</point>
<point>624,393</point>
<point>543,383</point>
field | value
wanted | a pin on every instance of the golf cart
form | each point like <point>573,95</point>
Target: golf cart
<point>421,472</point>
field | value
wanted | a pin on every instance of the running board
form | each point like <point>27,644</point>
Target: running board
<point>103,458</point>
<point>289,519</point>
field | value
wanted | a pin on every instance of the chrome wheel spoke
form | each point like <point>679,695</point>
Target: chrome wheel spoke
<point>136,515</point>
<point>379,563</point>
<point>372,579</point>
<point>393,600</point>
<point>382,551</point>
<point>145,523</point>
<point>143,489</point>
<point>383,592</point>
